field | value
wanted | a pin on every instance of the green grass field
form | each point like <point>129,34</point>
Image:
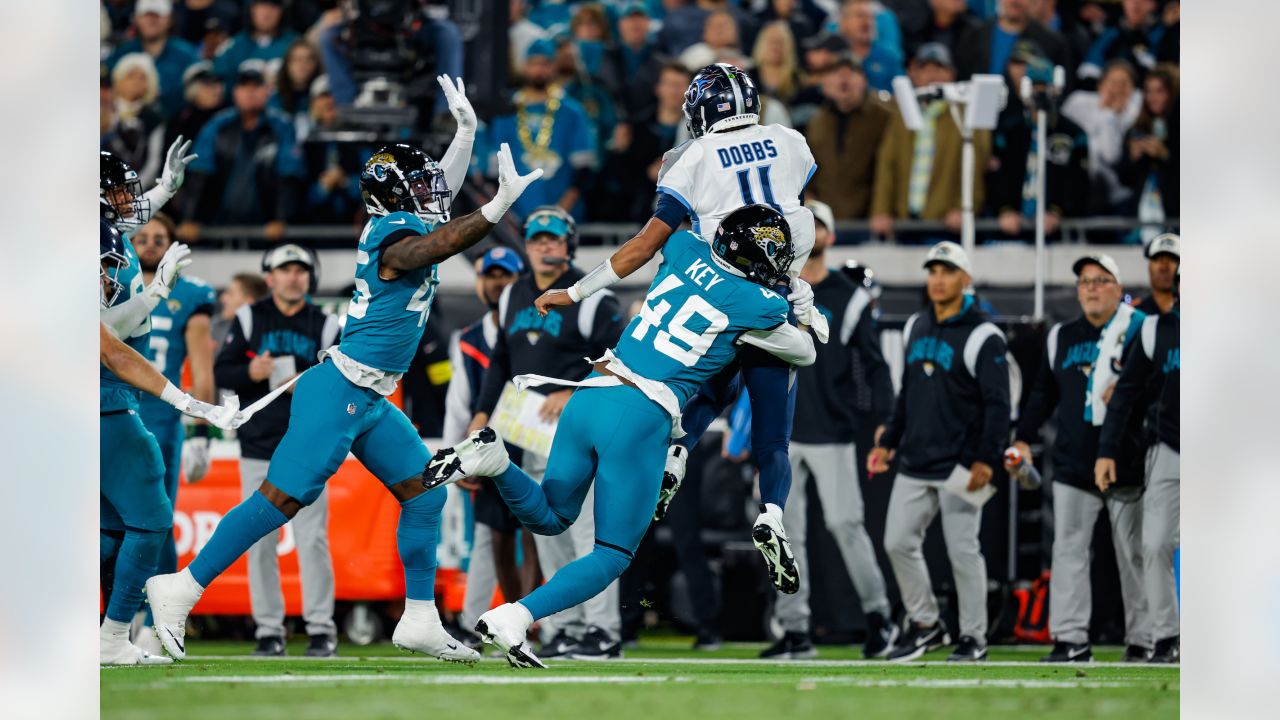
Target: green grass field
<point>661,680</point>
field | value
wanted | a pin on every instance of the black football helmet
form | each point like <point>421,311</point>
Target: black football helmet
<point>112,260</point>
<point>402,178</point>
<point>552,219</point>
<point>120,192</point>
<point>755,241</point>
<point>720,97</point>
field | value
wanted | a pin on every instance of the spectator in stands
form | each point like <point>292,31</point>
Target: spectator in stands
<point>192,19</point>
<point>858,26</point>
<point>216,36</point>
<point>1135,40</point>
<point>1076,38</point>
<point>918,173</point>
<point>299,70</point>
<point>1149,166</point>
<point>266,38</point>
<point>949,21</point>
<point>682,26</point>
<point>803,19</point>
<point>592,94</point>
<point>171,55</point>
<point>333,196</point>
<point>249,171</point>
<point>522,32</point>
<point>776,71</point>
<point>136,132</point>
<point>631,67</point>
<point>272,341</point>
<point>1167,51</point>
<point>720,43</point>
<point>205,95</point>
<point>987,48</point>
<point>1011,182</point>
<point>244,289</point>
<point>549,130</point>
<point>591,36</point>
<point>1164,255</point>
<point>846,133</point>
<point>1106,115</point>
<point>820,53</point>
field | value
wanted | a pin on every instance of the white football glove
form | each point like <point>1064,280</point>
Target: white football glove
<point>511,185</point>
<point>176,161</point>
<point>175,260</point>
<point>226,416</point>
<point>459,105</point>
<point>195,458</point>
<point>801,299</point>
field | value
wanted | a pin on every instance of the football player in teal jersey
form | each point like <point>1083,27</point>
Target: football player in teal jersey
<point>135,514</point>
<point>340,405</point>
<point>706,300</point>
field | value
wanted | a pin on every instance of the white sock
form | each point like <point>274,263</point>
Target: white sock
<point>773,510</point>
<point>422,609</point>
<point>524,611</point>
<point>196,587</point>
<point>113,629</point>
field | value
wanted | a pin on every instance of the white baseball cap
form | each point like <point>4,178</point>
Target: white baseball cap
<point>949,253</point>
<point>1164,243</point>
<point>159,7</point>
<point>822,213</point>
<point>1102,260</point>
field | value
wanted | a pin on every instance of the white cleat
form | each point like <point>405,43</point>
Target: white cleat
<point>771,540</point>
<point>148,641</point>
<point>115,649</point>
<point>171,598</point>
<point>507,628</point>
<point>672,477</point>
<point>420,631</point>
<point>482,454</point>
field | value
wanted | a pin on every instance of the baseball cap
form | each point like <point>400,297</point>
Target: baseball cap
<point>845,59</point>
<point>934,52</point>
<point>948,253</point>
<point>285,254</point>
<point>542,47</point>
<point>1165,243</point>
<point>828,41</point>
<point>320,86</point>
<point>159,7</point>
<point>822,213</point>
<point>502,257</point>
<point>251,71</point>
<point>546,223</point>
<point>1025,51</point>
<point>199,72</point>
<point>1102,260</point>
<point>634,8</point>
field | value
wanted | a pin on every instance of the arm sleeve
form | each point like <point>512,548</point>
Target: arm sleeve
<point>670,210</point>
<point>457,400</point>
<point>1133,378</point>
<point>231,366</point>
<point>1041,402</point>
<point>456,162</point>
<point>123,319</point>
<point>993,380</point>
<point>497,376</point>
<point>786,342</point>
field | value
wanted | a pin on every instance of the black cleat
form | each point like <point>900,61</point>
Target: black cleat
<point>771,540</point>
<point>881,635</point>
<point>322,646</point>
<point>558,646</point>
<point>1136,654</point>
<point>672,477</point>
<point>792,646</point>
<point>969,649</point>
<point>269,646</point>
<point>596,644</point>
<point>919,640</point>
<point>481,452</point>
<point>1167,652</point>
<point>1065,652</point>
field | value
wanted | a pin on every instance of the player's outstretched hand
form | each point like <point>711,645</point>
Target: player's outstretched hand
<point>176,161</point>
<point>459,105</point>
<point>175,260</point>
<point>226,416</point>
<point>511,184</point>
<point>551,299</point>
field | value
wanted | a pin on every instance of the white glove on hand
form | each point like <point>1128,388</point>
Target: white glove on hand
<point>801,299</point>
<point>195,459</point>
<point>175,260</point>
<point>176,161</point>
<point>511,185</point>
<point>226,416</point>
<point>459,105</point>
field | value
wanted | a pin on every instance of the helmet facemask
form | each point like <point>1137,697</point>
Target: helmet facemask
<point>124,205</point>
<point>428,193</point>
<point>109,285</point>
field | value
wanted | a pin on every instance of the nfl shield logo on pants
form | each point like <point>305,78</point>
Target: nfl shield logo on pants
<point>351,408</point>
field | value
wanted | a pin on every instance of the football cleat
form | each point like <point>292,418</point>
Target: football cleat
<point>792,646</point>
<point>881,636</point>
<point>1136,654</point>
<point>507,628</point>
<point>420,631</point>
<point>171,598</point>
<point>596,644</point>
<point>558,646</point>
<point>771,540</point>
<point>115,649</point>
<point>1066,652</point>
<point>269,646</point>
<point>322,646</point>
<point>482,454</point>
<point>919,640</point>
<point>672,477</point>
<point>1167,651</point>
<point>969,649</point>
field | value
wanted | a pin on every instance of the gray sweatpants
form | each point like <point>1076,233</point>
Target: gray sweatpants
<point>556,551</point>
<point>912,506</point>
<point>1161,514</point>
<point>1075,511</point>
<point>482,577</point>
<point>311,536</point>
<point>833,469</point>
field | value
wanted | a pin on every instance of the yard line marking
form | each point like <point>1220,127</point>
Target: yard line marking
<point>535,679</point>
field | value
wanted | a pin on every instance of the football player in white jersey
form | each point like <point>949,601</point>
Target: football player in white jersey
<point>732,161</point>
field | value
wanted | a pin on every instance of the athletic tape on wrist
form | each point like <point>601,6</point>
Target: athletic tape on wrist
<point>598,279</point>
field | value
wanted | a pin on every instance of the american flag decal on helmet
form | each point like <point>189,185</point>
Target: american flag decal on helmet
<point>723,107</point>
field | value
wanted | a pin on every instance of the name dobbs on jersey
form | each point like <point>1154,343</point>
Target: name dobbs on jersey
<point>746,152</point>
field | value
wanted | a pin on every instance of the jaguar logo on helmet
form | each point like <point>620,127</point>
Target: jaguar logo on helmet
<point>770,239</point>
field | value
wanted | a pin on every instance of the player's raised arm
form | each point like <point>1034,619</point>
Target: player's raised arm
<point>457,235</point>
<point>786,342</point>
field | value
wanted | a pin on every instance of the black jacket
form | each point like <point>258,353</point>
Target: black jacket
<point>1153,370</point>
<point>828,390</point>
<point>1059,391</point>
<point>259,328</point>
<point>1066,188</point>
<point>953,408</point>
<point>554,345</point>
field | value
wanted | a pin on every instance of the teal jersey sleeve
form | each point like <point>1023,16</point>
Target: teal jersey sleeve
<point>114,393</point>
<point>385,318</point>
<point>763,309</point>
